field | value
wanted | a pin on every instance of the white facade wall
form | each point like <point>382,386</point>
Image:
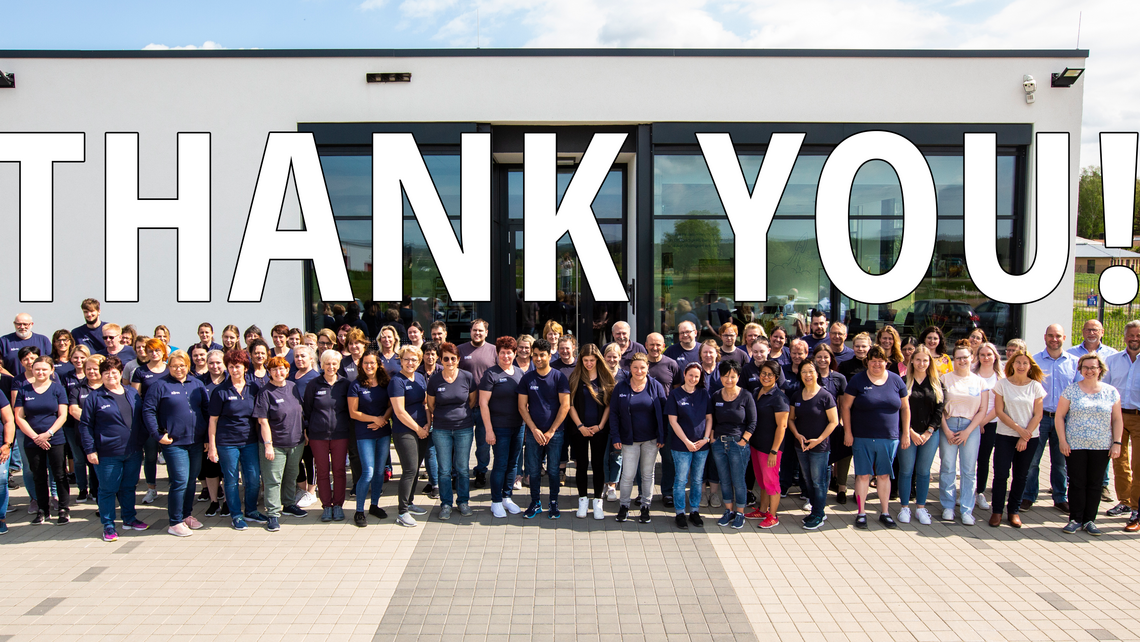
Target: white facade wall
<point>240,99</point>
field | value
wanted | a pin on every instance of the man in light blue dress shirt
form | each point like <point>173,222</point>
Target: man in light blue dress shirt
<point>1124,375</point>
<point>1092,332</point>
<point>1060,370</point>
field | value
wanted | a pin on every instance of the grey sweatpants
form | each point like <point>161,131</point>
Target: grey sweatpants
<point>638,457</point>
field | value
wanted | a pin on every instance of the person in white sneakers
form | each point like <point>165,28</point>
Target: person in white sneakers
<point>927,398</point>
<point>499,408</point>
<point>591,385</point>
<point>967,405</point>
<point>987,365</point>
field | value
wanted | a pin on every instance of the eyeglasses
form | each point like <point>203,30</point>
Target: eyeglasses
<point>409,359</point>
<point>766,375</point>
<point>449,359</point>
<point>1090,368</point>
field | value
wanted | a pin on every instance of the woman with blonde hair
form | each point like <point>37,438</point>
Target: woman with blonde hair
<point>927,399</point>
<point>888,338</point>
<point>967,404</point>
<point>407,392</point>
<point>231,338</point>
<point>1019,403</point>
<point>591,385</point>
<point>554,328</point>
<point>987,365</point>
<point>389,340</point>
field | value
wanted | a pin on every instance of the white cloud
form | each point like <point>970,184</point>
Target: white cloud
<point>423,8</point>
<point>869,24</point>
<point>209,44</point>
<point>372,4</point>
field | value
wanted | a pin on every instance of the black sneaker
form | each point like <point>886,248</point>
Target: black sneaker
<point>294,511</point>
<point>359,519</point>
<point>695,519</point>
<point>888,521</point>
<point>668,501</point>
<point>644,519</point>
<point>377,512</point>
<point>65,516</point>
<point>82,497</point>
<point>212,509</point>
<point>433,493</point>
<point>480,480</point>
<point>427,489</point>
<point>752,498</point>
<point>623,513</point>
<point>861,522</point>
<point>225,511</point>
<point>39,518</point>
<point>204,495</point>
<point>681,521</point>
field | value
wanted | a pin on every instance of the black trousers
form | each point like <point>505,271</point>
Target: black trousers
<point>1086,474</point>
<point>985,450</point>
<point>585,450</point>
<point>40,461</point>
<point>1005,458</point>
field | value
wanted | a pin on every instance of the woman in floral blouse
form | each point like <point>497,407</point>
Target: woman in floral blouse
<point>1089,427</point>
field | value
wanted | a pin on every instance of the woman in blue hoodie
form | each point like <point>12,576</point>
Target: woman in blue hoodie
<point>637,418</point>
<point>174,412</point>
<point>112,433</point>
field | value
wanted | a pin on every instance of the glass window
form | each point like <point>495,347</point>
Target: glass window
<point>694,251</point>
<point>349,180</point>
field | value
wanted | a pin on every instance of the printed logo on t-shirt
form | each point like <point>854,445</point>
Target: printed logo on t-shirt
<point>441,389</point>
<point>175,392</point>
<point>719,404</point>
<point>232,398</point>
<point>278,401</point>
<point>534,386</point>
<point>104,406</point>
<point>623,395</point>
<point>683,402</point>
<point>320,393</point>
<point>503,380</point>
<point>467,358</point>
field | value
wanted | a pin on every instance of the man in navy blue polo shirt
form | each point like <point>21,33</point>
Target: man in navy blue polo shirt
<point>1060,370</point>
<point>544,402</point>
<point>10,345</point>
<point>90,334</point>
<point>687,350</point>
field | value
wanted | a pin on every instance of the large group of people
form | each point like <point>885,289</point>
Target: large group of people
<point>271,428</point>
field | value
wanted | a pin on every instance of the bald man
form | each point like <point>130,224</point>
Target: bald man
<point>10,344</point>
<point>1060,370</point>
<point>624,340</point>
<point>1092,332</point>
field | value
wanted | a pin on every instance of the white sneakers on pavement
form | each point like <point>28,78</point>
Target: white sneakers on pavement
<point>150,496</point>
<point>497,510</point>
<point>904,515</point>
<point>923,516</point>
<point>511,506</point>
<point>583,507</point>
<point>981,502</point>
<point>598,513</point>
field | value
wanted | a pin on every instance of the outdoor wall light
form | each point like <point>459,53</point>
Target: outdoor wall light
<point>1030,86</point>
<point>1067,78</point>
<point>7,81</point>
<point>389,77</point>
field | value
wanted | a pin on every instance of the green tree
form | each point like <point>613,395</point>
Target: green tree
<point>691,241</point>
<point>1090,205</point>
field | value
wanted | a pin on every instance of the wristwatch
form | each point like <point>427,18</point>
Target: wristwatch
<point>771,452</point>
<point>1117,443</point>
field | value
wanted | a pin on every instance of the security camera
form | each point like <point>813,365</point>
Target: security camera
<point>1030,86</point>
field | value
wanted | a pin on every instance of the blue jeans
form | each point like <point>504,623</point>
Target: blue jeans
<point>482,448</point>
<point>731,461</point>
<point>967,452</point>
<point>914,467</point>
<point>508,447</point>
<point>1058,476</point>
<point>689,469</point>
<point>373,457</point>
<point>231,457</point>
<point>72,434</point>
<point>668,472</point>
<point>4,485</point>
<point>431,463</point>
<point>552,452</point>
<point>453,452</point>
<point>118,477</point>
<point>183,463</point>
<point>816,473</point>
<point>613,464</point>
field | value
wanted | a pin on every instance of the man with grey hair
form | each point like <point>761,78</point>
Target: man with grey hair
<point>1092,331</point>
<point>10,344</point>
<point>1124,375</point>
<point>628,346</point>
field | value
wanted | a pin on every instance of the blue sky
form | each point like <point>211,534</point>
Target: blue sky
<point>1112,84</point>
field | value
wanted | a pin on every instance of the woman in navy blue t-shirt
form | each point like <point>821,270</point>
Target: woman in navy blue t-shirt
<point>410,428</point>
<point>451,394</point>
<point>370,410</point>
<point>41,410</point>
<point>690,433</point>
<point>813,418</point>
<point>233,437</point>
<point>873,407</point>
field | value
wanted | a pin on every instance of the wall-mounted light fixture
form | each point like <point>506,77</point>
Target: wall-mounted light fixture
<point>7,81</point>
<point>1067,78</point>
<point>389,77</point>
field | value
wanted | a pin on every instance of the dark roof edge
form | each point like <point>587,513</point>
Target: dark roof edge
<point>524,52</point>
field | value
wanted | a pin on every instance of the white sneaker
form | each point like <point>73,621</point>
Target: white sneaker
<point>904,515</point>
<point>150,496</point>
<point>967,517</point>
<point>511,506</point>
<point>518,483</point>
<point>807,507</point>
<point>497,510</point>
<point>948,515</point>
<point>406,519</point>
<point>583,507</point>
<point>611,494</point>
<point>307,499</point>
<point>161,459</point>
<point>598,513</point>
<point>923,516</point>
<point>180,530</point>
<point>981,502</point>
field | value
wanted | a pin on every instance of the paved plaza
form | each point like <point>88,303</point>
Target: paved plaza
<point>481,578</point>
